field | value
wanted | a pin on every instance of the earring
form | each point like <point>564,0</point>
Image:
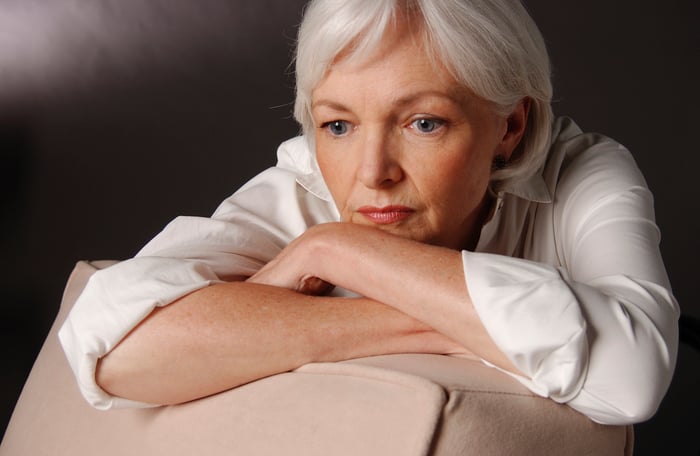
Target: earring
<point>499,162</point>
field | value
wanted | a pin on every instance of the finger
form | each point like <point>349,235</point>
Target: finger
<point>314,286</point>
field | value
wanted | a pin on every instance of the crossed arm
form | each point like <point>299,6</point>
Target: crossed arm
<point>415,299</point>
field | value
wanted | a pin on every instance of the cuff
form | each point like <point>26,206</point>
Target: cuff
<point>533,316</point>
<point>114,301</point>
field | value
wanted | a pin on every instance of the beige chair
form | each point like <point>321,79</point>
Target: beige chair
<point>386,405</point>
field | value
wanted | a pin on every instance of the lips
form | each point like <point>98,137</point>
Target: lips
<point>385,215</point>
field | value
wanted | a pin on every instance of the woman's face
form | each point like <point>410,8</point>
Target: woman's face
<point>404,148</point>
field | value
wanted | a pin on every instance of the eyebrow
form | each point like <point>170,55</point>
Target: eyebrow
<point>403,101</point>
<point>334,105</point>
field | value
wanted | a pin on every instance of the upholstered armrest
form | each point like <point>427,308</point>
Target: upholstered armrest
<point>385,405</point>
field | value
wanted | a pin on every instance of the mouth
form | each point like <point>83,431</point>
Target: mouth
<point>386,215</point>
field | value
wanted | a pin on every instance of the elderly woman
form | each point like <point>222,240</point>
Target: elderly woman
<point>432,205</point>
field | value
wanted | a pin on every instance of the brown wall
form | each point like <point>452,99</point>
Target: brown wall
<point>116,116</point>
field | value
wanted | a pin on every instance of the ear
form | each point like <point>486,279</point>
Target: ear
<point>514,129</point>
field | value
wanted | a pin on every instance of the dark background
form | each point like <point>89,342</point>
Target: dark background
<point>118,115</point>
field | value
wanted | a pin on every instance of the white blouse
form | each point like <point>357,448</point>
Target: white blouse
<point>567,277</point>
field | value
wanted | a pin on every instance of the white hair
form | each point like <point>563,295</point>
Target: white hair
<point>492,47</point>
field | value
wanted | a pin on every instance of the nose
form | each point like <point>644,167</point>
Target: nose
<point>381,162</point>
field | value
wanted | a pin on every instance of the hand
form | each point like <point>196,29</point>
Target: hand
<point>328,254</point>
<point>293,268</point>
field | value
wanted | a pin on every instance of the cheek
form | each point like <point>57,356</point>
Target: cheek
<point>328,170</point>
<point>325,159</point>
<point>333,175</point>
<point>458,181</point>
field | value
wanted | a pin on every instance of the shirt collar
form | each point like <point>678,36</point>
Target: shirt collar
<point>297,155</point>
<point>314,184</point>
<point>538,188</point>
<point>534,188</point>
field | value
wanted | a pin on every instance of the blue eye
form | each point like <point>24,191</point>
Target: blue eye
<point>337,127</point>
<point>426,125</point>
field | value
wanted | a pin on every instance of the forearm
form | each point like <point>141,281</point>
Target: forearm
<point>229,334</point>
<point>423,281</point>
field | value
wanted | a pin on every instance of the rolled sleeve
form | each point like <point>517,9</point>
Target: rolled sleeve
<point>534,318</point>
<point>586,345</point>
<point>609,243</point>
<point>189,254</point>
<point>111,306</point>
<point>593,323</point>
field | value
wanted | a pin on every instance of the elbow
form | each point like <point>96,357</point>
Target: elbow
<point>110,377</point>
<point>638,407</point>
<point>105,376</point>
<point>648,374</point>
<point>648,390</point>
<point>131,381</point>
<point>149,382</point>
<point>117,379</point>
<point>625,409</point>
<point>626,395</point>
<point>618,407</point>
<point>631,360</point>
<point>643,411</point>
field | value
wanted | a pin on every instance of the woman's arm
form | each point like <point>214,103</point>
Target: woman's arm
<point>423,281</point>
<point>595,326</point>
<point>232,333</point>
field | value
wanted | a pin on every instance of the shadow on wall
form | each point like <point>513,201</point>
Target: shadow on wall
<point>115,117</point>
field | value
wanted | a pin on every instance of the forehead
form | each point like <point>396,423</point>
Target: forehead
<point>400,62</point>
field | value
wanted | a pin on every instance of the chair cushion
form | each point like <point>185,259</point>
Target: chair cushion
<point>386,405</point>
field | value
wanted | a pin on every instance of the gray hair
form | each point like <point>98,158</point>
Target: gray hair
<point>493,47</point>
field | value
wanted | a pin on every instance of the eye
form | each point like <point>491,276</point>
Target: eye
<point>336,127</point>
<point>426,125</point>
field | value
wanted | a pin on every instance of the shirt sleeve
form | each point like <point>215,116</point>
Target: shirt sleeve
<point>189,254</point>
<point>599,330</point>
<point>114,301</point>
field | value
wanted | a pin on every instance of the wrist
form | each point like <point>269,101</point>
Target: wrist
<point>321,254</point>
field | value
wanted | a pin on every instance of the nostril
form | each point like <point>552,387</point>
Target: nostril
<point>381,175</point>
